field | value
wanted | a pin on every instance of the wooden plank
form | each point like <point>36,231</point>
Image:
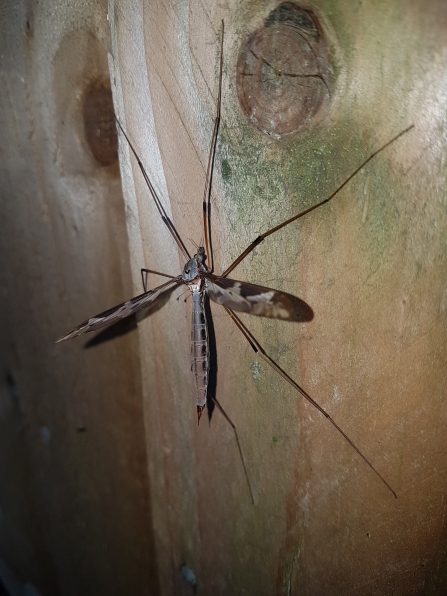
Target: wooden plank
<point>74,495</point>
<point>122,506</point>
<point>322,521</point>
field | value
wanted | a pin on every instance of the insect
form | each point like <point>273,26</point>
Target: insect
<point>234,296</point>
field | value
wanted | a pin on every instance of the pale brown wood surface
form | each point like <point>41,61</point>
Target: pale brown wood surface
<point>150,491</point>
<point>322,523</point>
<point>73,489</point>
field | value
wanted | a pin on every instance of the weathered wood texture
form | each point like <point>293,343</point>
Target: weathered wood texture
<point>73,488</point>
<point>144,490</point>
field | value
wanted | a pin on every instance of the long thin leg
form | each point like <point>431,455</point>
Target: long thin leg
<point>228,419</point>
<point>257,348</point>
<point>164,216</point>
<point>146,271</point>
<point>260,238</point>
<point>206,205</point>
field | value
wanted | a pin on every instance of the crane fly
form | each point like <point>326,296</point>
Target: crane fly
<point>234,296</point>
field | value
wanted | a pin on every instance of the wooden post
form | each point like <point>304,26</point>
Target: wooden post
<point>318,508</point>
<point>74,489</point>
<point>143,491</point>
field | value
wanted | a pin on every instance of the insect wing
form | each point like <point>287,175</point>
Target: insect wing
<point>257,300</point>
<point>117,312</point>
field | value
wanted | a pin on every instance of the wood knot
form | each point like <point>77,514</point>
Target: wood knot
<point>99,122</point>
<point>283,71</point>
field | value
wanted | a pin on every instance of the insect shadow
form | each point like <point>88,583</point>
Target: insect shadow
<point>130,323</point>
<point>234,296</point>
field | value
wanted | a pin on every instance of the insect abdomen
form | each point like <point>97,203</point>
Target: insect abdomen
<point>199,350</point>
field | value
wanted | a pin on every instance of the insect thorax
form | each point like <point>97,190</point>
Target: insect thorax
<point>191,274</point>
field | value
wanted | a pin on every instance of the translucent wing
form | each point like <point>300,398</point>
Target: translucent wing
<point>118,312</point>
<point>257,300</point>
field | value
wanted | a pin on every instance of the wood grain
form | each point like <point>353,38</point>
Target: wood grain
<point>321,521</point>
<point>74,494</point>
<point>122,506</point>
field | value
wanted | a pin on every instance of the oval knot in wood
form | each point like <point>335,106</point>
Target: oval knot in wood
<point>283,71</point>
<point>99,122</point>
